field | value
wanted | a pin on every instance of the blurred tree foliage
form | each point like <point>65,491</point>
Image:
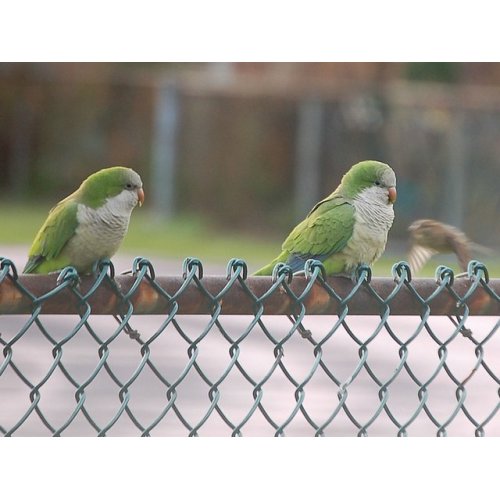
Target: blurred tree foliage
<point>448,72</point>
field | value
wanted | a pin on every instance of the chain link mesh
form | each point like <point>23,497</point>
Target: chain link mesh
<point>238,355</point>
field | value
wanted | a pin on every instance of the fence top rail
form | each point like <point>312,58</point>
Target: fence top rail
<point>239,294</point>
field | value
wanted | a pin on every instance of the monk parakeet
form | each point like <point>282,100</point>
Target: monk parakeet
<point>429,237</point>
<point>89,224</point>
<point>349,227</point>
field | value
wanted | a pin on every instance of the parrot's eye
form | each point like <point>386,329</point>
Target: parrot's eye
<point>129,186</point>
<point>377,183</point>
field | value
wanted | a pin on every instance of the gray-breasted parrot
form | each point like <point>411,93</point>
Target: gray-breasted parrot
<point>349,227</point>
<point>89,224</point>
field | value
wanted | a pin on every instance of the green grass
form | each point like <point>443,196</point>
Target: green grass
<point>191,236</point>
<point>19,222</point>
<point>151,236</point>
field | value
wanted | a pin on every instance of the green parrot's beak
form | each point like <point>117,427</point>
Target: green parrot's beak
<point>140,196</point>
<point>392,193</point>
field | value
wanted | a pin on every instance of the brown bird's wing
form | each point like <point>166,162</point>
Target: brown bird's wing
<point>418,256</point>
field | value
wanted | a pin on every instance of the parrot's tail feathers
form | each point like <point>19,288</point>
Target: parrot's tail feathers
<point>266,270</point>
<point>32,264</point>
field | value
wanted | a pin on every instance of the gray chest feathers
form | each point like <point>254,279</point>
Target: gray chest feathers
<point>99,233</point>
<point>372,223</point>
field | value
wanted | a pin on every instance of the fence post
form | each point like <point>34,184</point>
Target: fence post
<point>455,170</point>
<point>308,155</point>
<point>164,148</point>
<point>22,146</point>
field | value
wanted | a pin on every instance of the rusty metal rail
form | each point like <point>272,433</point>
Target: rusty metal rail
<point>197,295</point>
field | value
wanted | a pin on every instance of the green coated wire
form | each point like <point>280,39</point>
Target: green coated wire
<point>314,349</point>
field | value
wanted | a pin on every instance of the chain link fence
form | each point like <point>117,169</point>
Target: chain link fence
<point>236,355</point>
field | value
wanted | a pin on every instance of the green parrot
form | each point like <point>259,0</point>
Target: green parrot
<point>89,224</point>
<point>346,229</point>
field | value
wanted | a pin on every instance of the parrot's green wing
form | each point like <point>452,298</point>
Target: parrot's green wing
<point>59,227</point>
<point>325,231</point>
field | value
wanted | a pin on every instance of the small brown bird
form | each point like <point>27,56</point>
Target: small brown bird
<point>429,237</point>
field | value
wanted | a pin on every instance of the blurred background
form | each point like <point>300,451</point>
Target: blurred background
<point>233,155</point>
